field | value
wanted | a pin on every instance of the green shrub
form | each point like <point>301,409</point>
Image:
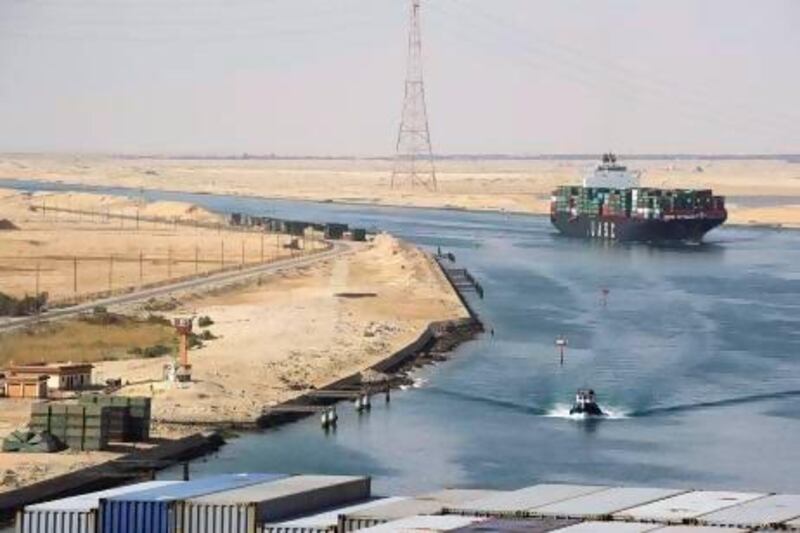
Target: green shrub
<point>206,335</point>
<point>27,305</point>
<point>204,321</point>
<point>156,350</point>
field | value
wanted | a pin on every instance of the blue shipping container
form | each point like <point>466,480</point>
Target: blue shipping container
<point>152,511</point>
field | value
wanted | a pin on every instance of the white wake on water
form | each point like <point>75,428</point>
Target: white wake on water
<point>561,410</point>
<point>417,383</point>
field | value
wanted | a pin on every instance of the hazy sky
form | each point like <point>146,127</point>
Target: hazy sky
<point>325,76</point>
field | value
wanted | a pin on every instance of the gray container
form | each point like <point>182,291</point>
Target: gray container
<point>326,522</point>
<point>604,503</point>
<point>77,514</point>
<point>686,506</point>
<point>763,512</point>
<point>431,503</point>
<point>427,524</point>
<point>237,511</point>
<point>528,525</point>
<point>519,502</point>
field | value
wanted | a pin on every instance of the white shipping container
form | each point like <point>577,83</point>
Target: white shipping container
<point>522,500</point>
<point>327,521</point>
<point>77,514</point>
<point>605,502</point>
<point>426,504</point>
<point>761,512</point>
<point>424,524</point>
<point>607,527</point>
<point>697,529</point>
<point>689,505</point>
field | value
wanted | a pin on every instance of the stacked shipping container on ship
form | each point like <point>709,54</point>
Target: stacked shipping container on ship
<point>154,511</point>
<point>612,206</point>
<point>241,510</point>
<point>77,514</point>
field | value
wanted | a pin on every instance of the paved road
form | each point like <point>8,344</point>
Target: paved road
<point>339,248</point>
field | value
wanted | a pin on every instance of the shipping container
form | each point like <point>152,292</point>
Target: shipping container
<point>518,525</point>
<point>608,527</point>
<point>425,504</point>
<point>335,231</point>
<point>767,511</point>
<point>327,521</point>
<point>153,511</point>
<point>238,511</point>
<point>518,502</point>
<point>77,514</point>
<point>432,524</point>
<point>605,502</point>
<point>688,505</point>
<point>697,529</point>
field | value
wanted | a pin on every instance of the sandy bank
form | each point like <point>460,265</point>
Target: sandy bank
<point>519,186</point>
<point>299,331</point>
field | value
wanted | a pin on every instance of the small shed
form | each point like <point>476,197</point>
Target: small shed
<point>61,377</point>
<point>26,386</point>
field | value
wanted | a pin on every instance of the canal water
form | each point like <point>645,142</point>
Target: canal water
<point>695,352</point>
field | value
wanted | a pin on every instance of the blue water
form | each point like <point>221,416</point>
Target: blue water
<point>695,354</point>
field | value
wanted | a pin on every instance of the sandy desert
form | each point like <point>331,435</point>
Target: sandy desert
<point>759,191</point>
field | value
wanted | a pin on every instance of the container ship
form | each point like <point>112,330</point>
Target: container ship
<point>611,205</point>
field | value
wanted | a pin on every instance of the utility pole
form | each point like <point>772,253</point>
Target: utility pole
<point>141,268</point>
<point>242,266</point>
<point>110,271</point>
<point>169,262</point>
<point>196,256</point>
<point>262,247</point>
<point>222,254</point>
<point>413,164</point>
<point>75,275</point>
<point>36,305</point>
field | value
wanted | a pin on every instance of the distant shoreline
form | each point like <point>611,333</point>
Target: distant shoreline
<point>789,157</point>
<point>72,186</point>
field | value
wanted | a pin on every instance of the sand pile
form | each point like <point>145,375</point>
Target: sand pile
<point>6,225</point>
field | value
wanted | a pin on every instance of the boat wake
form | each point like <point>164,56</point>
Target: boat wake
<point>753,398</point>
<point>561,410</point>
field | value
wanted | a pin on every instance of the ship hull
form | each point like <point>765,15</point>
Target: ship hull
<point>625,229</point>
<point>589,409</point>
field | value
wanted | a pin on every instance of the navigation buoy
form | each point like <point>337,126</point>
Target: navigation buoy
<point>329,417</point>
<point>604,296</point>
<point>561,343</point>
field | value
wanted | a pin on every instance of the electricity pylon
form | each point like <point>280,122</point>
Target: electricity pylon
<point>413,164</point>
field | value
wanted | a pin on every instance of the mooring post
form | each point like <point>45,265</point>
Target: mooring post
<point>186,471</point>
